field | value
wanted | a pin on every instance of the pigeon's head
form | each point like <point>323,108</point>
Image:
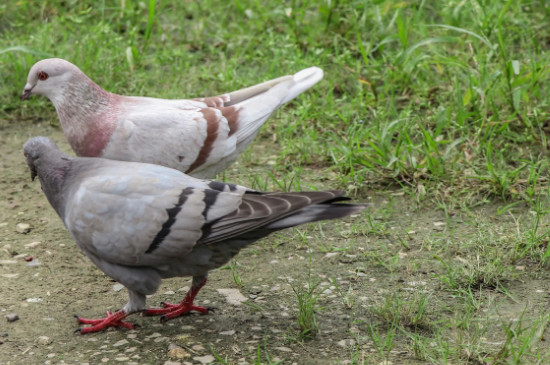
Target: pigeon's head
<point>35,149</point>
<point>48,77</point>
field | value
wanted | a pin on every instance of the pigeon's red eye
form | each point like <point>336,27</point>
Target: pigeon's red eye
<point>42,75</point>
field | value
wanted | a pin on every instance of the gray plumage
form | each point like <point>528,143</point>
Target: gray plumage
<point>140,223</point>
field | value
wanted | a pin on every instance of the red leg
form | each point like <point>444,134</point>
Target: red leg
<point>175,310</point>
<point>112,320</point>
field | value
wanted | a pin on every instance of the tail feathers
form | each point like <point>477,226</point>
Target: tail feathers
<point>254,111</point>
<point>241,95</point>
<point>261,214</point>
<point>303,80</point>
<point>315,213</point>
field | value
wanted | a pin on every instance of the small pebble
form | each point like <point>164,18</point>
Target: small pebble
<point>228,333</point>
<point>120,343</point>
<point>233,296</point>
<point>207,359</point>
<point>23,228</point>
<point>44,340</point>
<point>10,276</point>
<point>118,287</point>
<point>346,342</point>
<point>7,262</point>
<point>12,317</point>
<point>283,349</point>
<point>177,352</point>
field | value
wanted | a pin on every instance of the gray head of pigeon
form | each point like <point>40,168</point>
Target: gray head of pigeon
<point>46,161</point>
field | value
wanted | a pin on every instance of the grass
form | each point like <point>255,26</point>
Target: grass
<point>307,308</point>
<point>439,106</point>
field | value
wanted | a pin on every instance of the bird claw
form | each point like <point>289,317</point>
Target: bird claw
<point>112,320</point>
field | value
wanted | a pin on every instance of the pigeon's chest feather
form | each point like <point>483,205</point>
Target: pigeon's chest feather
<point>94,142</point>
<point>89,127</point>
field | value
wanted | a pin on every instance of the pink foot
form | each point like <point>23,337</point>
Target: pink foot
<point>112,320</point>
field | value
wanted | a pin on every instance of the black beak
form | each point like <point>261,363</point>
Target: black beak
<point>26,94</point>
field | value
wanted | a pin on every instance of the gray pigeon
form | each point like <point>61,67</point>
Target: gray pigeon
<point>200,137</point>
<point>140,223</point>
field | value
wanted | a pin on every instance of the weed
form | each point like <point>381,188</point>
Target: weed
<point>307,307</point>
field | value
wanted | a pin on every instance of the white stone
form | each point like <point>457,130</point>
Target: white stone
<point>44,340</point>
<point>23,228</point>
<point>207,359</point>
<point>120,343</point>
<point>347,342</point>
<point>118,287</point>
<point>233,296</point>
<point>12,317</point>
<point>283,349</point>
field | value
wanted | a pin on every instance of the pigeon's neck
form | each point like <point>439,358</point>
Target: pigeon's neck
<point>87,115</point>
<point>52,172</point>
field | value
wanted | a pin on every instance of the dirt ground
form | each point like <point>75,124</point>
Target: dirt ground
<point>60,282</point>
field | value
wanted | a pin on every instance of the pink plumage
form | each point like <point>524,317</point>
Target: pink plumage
<point>200,137</point>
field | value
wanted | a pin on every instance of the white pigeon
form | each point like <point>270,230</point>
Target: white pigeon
<point>140,223</point>
<point>200,137</point>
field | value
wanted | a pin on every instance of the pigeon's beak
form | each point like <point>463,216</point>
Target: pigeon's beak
<point>33,174</point>
<point>26,92</point>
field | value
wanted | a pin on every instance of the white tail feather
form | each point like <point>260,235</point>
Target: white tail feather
<point>255,110</point>
<point>304,80</point>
